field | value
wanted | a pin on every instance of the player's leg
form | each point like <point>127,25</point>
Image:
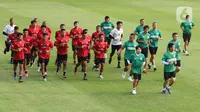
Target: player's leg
<point>74,53</point>
<point>96,64</point>
<point>135,82</point>
<point>21,70</point>
<point>119,57</point>
<point>25,64</point>
<point>186,38</point>
<point>77,65</point>
<point>130,76</point>
<point>84,63</point>
<point>101,70</point>
<point>46,65</point>
<point>145,52</point>
<point>113,48</point>
<point>89,56</point>
<point>64,65</point>
<point>171,82</point>
<point>15,63</point>
<point>166,78</point>
<point>58,64</point>
<point>11,59</point>
<point>178,66</point>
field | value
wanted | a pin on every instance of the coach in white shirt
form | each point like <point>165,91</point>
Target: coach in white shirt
<point>9,29</point>
<point>116,35</point>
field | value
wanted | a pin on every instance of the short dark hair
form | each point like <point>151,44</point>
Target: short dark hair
<point>175,33</point>
<point>43,26</point>
<point>85,30</point>
<point>44,34</point>
<point>137,47</point>
<point>44,23</point>
<point>98,26</point>
<point>154,23</point>
<point>100,35</point>
<point>11,19</point>
<point>119,22</point>
<point>19,34</point>
<point>32,22</point>
<point>187,16</point>
<point>132,34</point>
<point>16,28</point>
<point>145,27</point>
<point>141,20</point>
<point>25,29</point>
<point>75,22</point>
<point>62,30</point>
<point>62,25</point>
<point>107,17</point>
<point>35,19</point>
<point>170,45</point>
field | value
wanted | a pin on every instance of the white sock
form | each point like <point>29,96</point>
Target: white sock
<point>164,88</point>
<point>124,72</point>
<point>154,66</point>
<point>150,63</point>
<point>169,87</point>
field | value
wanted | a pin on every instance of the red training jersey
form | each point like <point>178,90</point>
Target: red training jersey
<point>76,35</point>
<point>84,45</point>
<point>40,35</point>
<point>18,55</point>
<point>43,46</point>
<point>28,44</point>
<point>62,50</point>
<point>48,29</point>
<point>33,32</point>
<point>58,34</point>
<point>95,35</point>
<point>12,37</point>
<point>101,47</point>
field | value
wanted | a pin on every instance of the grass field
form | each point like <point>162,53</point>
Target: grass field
<point>112,94</point>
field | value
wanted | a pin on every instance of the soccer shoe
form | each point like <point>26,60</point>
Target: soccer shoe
<point>130,79</point>
<point>123,74</point>
<point>39,68</point>
<point>21,80</point>
<point>154,69</point>
<point>45,79</point>
<point>97,69</point>
<point>144,71</point>
<point>164,91</point>
<point>118,66</point>
<point>26,75</point>
<point>134,91</point>
<point>149,66</point>
<point>4,51</point>
<point>186,53</point>
<point>100,76</point>
<point>110,60</point>
<point>169,91</point>
<point>85,78</point>
<point>56,73</point>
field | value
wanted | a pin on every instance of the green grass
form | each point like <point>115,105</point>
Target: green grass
<point>112,94</point>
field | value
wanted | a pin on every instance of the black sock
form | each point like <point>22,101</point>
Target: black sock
<point>100,73</point>
<point>15,73</point>
<point>20,77</point>
<point>26,72</point>
<point>85,74</point>
<point>44,76</point>
<point>119,62</point>
<point>57,69</point>
<point>64,73</point>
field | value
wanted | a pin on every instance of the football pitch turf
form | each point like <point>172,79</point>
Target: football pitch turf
<point>111,94</point>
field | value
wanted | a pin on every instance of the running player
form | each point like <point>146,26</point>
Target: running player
<point>100,47</point>
<point>116,35</point>
<point>27,49</point>
<point>107,26</point>
<point>155,36</point>
<point>186,27</point>
<point>90,44</point>
<point>47,28</point>
<point>44,47</point>
<point>143,40</point>
<point>95,35</point>
<point>58,33</point>
<point>139,28</point>
<point>33,31</point>
<point>177,46</point>
<point>130,46</point>
<point>18,48</point>
<point>138,61</point>
<point>169,61</point>
<point>75,34</point>
<point>61,44</point>
<point>9,29</point>
<point>11,38</point>
<point>83,45</point>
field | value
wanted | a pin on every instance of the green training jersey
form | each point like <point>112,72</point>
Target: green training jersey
<point>177,45</point>
<point>169,57</point>
<point>137,62</point>
<point>107,27</point>
<point>186,25</point>
<point>129,48</point>
<point>144,37</point>
<point>139,29</point>
<point>154,35</point>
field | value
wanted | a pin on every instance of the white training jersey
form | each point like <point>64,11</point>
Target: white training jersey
<point>117,34</point>
<point>9,30</point>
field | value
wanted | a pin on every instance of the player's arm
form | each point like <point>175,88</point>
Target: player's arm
<point>111,34</point>
<point>136,31</point>
<point>164,60</point>
<point>121,49</point>
<point>192,25</point>
<point>94,49</point>
<point>160,36</point>
<point>182,26</point>
<point>139,39</point>
<point>5,31</point>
